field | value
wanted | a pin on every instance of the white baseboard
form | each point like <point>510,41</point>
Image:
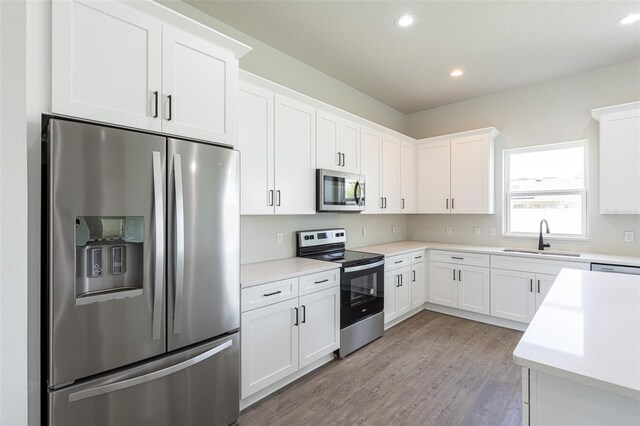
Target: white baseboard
<point>520,326</point>
<point>252,399</point>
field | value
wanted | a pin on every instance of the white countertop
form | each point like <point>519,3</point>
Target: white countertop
<point>588,330</point>
<point>391,249</point>
<point>263,272</point>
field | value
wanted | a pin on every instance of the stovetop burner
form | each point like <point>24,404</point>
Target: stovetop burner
<point>329,245</point>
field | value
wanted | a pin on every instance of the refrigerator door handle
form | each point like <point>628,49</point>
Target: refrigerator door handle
<point>146,378</point>
<point>159,261</point>
<point>179,278</point>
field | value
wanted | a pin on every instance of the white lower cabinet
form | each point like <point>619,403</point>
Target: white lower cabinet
<point>418,287</point>
<point>458,285</point>
<point>279,337</point>
<point>319,325</point>
<point>397,293</point>
<point>519,285</point>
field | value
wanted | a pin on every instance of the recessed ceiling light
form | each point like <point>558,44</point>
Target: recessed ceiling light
<point>405,21</point>
<point>456,72</point>
<point>629,19</point>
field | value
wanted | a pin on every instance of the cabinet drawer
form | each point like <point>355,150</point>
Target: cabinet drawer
<point>460,258</point>
<point>268,294</point>
<point>418,256</point>
<point>320,281</point>
<point>539,266</point>
<point>398,261</point>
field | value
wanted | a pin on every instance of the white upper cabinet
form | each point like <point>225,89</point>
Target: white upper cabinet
<point>199,82</point>
<point>472,174</point>
<point>408,177</point>
<point>371,146</point>
<point>256,146</point>
<point>434,174</point>
<point>619,158</point>
<point>338,143</point>
<point>391,202</point>
<point>137,64</point>
<point>295,148</point>
<point>455,173</point>
<point>95,44</point>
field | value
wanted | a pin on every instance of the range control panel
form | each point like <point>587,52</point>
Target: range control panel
<point>321,237</point>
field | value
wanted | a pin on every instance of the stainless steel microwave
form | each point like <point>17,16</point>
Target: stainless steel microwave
<point>339,192</point>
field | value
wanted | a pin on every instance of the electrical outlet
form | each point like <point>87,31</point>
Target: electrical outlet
<point>393,229</point>
<point>364,231</point>
<point>476,231</point>
<point>629,236</point>
<point>279,238</point>
<point>449,230</point>
<point>492,231</point>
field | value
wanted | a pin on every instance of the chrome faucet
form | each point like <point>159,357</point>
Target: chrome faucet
<point>541,243</point>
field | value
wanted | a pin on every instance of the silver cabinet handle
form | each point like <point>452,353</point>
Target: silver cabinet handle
<point>343,162</point>
<point>179,271</point>
<point>271,197</point>
<point>339,158</point>
<point>385,202</point>
<point>146,378</point>
<point>159,261</point>
<point>278,197</point>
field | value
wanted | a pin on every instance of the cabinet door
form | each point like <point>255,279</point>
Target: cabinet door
<point>328,141</point>
<point>434,175</point>
<point>255,143</point>
<point>473,289</point>
<point>391,174</point>
<point>408,177</point>
<point>619,158</point>
<point>370,147</point>
<point>442,288</point>
<point>199,84</point>
<point>543,285</point>
<point>471,175</point>
<point>391,285</point>
<point>404,291</point>
<point>95,44</point>
<point>418,287</point>
<point>319,325</point>
<point>269,339</point>
<point>512,295</point>
<point>295,161</point>
<point>350,146</point>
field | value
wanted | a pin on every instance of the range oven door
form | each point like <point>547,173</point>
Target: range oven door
<point>339,191</point>
<point>361,292</point>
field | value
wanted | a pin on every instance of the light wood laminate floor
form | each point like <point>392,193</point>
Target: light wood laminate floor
<point>431,369</point>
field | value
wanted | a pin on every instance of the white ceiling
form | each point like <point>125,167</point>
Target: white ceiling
<point>499,44</point>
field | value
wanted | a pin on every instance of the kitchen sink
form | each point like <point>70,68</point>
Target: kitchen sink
<point>547,252</point>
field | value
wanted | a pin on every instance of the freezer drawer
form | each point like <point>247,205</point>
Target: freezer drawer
<point>199,386</point>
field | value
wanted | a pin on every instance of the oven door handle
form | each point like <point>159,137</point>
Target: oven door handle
<point>363,267</point>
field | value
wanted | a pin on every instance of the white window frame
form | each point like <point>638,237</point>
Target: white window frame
<point>508,194</point>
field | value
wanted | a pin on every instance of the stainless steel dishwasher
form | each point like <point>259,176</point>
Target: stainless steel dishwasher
<point>620,269</point>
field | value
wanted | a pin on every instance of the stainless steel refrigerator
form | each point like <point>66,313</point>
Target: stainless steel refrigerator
<point>142,278</point>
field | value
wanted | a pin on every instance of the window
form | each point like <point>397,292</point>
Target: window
<point>546,182</point>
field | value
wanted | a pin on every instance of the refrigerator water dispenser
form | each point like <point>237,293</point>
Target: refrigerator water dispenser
<point>109,258</point>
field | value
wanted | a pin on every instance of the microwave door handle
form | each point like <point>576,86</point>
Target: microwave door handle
<point>179,249</point>
<point>159,248</point>
<point>356,193</point>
